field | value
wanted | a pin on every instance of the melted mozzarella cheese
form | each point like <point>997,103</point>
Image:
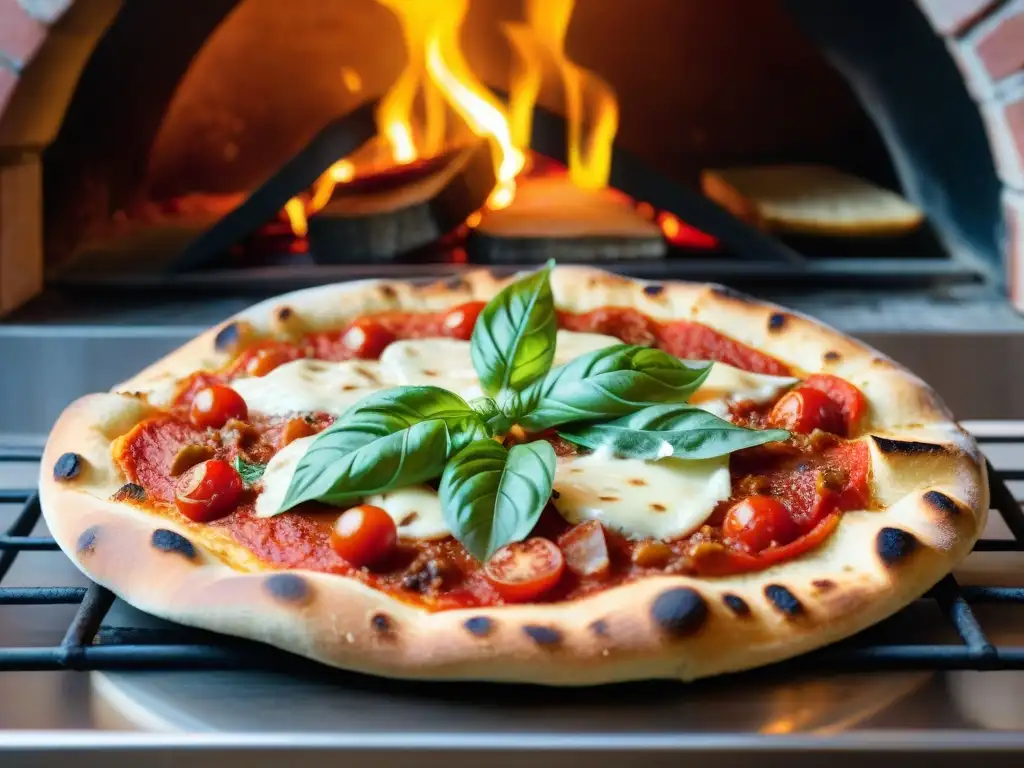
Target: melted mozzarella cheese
<point>726,384</point>
<point>662,499</point>
<point>278,476</point>
<point>309,386</point>
<point>569,345</point>
<point>442,363</point>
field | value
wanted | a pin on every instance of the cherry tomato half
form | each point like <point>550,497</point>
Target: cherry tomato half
<point>266,360</point>
<point>803,410</point>
<point>364,535</point>
<point>208,491</point>
<point>366,338</point>
<point>524,570</point>
<point>216,405</point>
<point>845,395</point>
<point>459,322</point>
<point>759,522</point>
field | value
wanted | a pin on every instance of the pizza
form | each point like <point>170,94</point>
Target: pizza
<point>565,477</point>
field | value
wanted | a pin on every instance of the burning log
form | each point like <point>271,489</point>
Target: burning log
<point>384,215</point>
<point>551,217</point>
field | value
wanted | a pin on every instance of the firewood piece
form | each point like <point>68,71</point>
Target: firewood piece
<point>550,217</point>
<point>406,211</point>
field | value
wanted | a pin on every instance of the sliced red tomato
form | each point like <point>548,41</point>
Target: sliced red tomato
<point>805,409</point>
<point>366,338</point>
<point>364,535</point>
<point>694,341</point>
<point>759,522</point>
<point>263,361</point>
<point>586,550</point>
<point>216,405</point>
<point>710,559</point>
<point>459,322</point>
<point>525,570</point>
<point>850,400</point>
<point>209,491</point>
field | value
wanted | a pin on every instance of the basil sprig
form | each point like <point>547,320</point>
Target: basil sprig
<point>627,399</point>
<point>610,382</point>
<point>682,431</point>
<point>492,496</point>
<point>391,439</point>
<point>248,471</point>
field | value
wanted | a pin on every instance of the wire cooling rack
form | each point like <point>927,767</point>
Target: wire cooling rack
<point>89,644</point>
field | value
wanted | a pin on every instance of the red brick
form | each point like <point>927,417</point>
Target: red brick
<point>1004,122</point>
<point>954,16</point>
<point>1013,215</point>
<point>20,34</point>
<point>8,80</point>
<point>1002,50</point>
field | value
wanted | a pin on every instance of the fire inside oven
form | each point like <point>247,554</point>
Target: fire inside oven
<point>689,140</point>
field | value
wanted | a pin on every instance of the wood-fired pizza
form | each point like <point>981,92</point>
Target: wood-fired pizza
<point>565,478</point>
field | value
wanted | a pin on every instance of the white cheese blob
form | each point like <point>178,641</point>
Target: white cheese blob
<point>444,363</point>
<point>726,384</point>
<point>307,386</point>
<point>663,499</point>
<point>569,345</point>
<point>278,475</point>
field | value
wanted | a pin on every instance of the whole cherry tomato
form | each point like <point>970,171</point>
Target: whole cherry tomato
<point>215,405</point>
<point>459,322</point>
<point>759,522</point>
<point>364,535</point>
<point>803,410</point>
<point>367,338</point>
<point>846,396</point>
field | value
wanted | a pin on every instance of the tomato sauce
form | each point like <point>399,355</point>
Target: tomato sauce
<point>816,479</point>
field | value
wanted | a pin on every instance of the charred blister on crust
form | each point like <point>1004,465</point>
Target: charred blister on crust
<point>289,588</point>
<point>777,321</point>
<point>599,627</point>
<point>941,503</point>
<point>129,492</point>
<point>891,447</point>
<point>383,624</point>
<point>654,290</point>
<point>823,585</point>
<point>736,604</point>
<point>228,338</point>
<point>479,626</point>
<point>169,541</point>
<point>832,356</point>
<point>87,540</point>
<point>67,467</point>
<point>541,635</point>
<point>680,611</point>
<point>455,284</point>
<point>388,292</point>
<point>285,314</point>
<point>894,544</point>
<point>783,600</point>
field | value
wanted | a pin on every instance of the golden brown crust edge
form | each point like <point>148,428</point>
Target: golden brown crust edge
<point>928,471</point>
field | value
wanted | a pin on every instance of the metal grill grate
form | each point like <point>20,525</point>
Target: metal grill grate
<point>88,644</point>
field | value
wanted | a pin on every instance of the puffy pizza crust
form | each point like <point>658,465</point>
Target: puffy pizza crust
<point>926,470</point>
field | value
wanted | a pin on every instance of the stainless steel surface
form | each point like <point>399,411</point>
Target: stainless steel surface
<point>127,719</point>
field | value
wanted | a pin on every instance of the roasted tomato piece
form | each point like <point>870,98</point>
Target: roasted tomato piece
<point>459,322</point>
<point>851,401</point>
<point>804,410</point>
<point>759,522</point>
<point>366,338</point>
<point>267,359</point>
<point>364,535</point>
<point>294,429</point>
<point>525,570</point>
<point>713,559</point>
<point>586,550</point>
<point>216,405</point>
<point>209,491</point>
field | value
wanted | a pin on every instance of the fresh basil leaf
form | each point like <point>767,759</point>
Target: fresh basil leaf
<point>249,472</point>
<point>389,439</point>
<point>491,414</point>
<point>659,431</point>
<point>492,497</point>
<point>513,342</point>
<point>610,382</point>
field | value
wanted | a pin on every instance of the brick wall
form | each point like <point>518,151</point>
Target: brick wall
<point>986,39</point>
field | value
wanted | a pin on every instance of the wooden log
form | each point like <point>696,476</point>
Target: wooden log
<point>551,217</point>
<point>21,231</point>
<point>383,217</point>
